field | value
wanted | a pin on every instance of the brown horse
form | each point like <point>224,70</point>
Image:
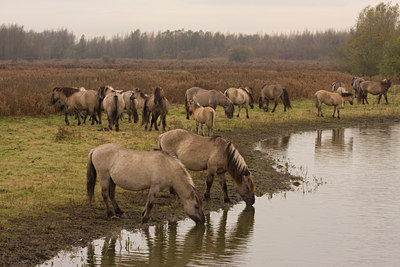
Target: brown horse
<point>78,100</point>
<point>274,92</point>
<point>214,154</point>
<point>375,88</point>
<point>113,104</point>
<point>203,115</point>
<point>242,97</point>
<point>157,105</point>
<point>139,99</point>
<point>140,170</point>
<point>334,99</point>
<point>208,98</point>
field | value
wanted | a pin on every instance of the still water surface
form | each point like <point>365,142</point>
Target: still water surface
<point>352,219</point>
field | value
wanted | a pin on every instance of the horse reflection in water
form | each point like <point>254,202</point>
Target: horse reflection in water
<point>210,244</point>
<point>336,140</point>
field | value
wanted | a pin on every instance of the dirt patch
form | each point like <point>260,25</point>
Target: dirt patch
<point>33,240</point>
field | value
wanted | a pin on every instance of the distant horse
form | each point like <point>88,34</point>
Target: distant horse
<point>78,100</point>
<point>375,88</point>
<point>214,154</point>
<point>336,85</point>
<point>242,97</point>
<point>274,92</point>
<point>130,106</point>
<point>140,170</point>
<point>113,104</point>
<point>355,82</point>
<point>140,99</point>
<point>208,98</point>
<point>157,105</point>
<point>203,115</point>
<point>334,99</point>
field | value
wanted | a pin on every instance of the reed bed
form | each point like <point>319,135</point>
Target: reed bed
<point>25,88</point>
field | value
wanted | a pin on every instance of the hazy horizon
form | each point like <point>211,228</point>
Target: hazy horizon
<point>111,18</point>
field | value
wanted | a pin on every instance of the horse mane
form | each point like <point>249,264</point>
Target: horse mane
<point>236,165</point>
<point>248,92</point>
<point>346,94</point>
<point>67,91</point>
<point>157,95</point>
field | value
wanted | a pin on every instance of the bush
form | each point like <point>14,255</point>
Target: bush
<point>240,54</point>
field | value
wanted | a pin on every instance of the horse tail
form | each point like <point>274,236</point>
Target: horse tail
<point>159,141</point>
<point>134,111</point>
<point>187,106</point>
<point>316,101</point>
<point>114,110</point>
<point>227,94</point>
<point>90,177</point>
<point>212,117</point>
<point>286,98</point>
<point>145,110</point>
<point>260,102</point>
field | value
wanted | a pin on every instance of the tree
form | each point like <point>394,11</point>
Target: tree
<point>240,53</point>
<point>366,45</point>
<point>390,64</point>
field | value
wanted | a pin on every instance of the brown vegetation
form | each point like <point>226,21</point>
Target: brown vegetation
<point>25,89</point>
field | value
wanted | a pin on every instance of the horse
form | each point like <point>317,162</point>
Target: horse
<point>208,98</point>
<point>202,115</point>
<point>273,92</point>
<point>242,97</point>
<point>156,104</point>
<point>130,106</point>
<point>140,170</point>
<point>77,100</point>
<point>113,104</point>
<point>336,85</point>
<point>355,83</point>
<point>375,88</point>
<point>214,154</point>
<point>334,99</point>
<point>140,99</point>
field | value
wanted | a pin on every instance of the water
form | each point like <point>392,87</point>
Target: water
<point>352,219</point>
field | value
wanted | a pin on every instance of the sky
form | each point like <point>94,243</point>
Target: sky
<point>109,18</point>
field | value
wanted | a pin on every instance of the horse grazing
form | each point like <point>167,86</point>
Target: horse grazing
<point>336,85</point>
<point>140,170</point>
<point>113,104</point>
<point>202,115</point>
<point>214,154</point>
<point>375,88</point>
<point>335,99</point>
<point>157,105</point>
<point>242,97</point>
<point>77,100</point>
<point>274,92</point>
<point>130,106</point>
<point>208,98</point>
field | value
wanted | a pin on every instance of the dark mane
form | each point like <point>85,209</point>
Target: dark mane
<point>236,164</point>
<point>347,94</point>
<point>67,91</point>
<point>248,93</point>
<point>157,95</point>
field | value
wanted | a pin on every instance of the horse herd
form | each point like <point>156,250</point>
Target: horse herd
<point>179,150</point>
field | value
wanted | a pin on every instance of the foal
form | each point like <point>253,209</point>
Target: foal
<point>202,115</point>
<point>335,99</point>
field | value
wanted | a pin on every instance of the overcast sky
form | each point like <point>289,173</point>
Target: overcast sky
<point>119,17</point>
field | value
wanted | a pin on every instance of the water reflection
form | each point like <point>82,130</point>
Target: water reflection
<point>220,241</point>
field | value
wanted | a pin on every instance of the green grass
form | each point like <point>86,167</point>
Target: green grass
<point>43,161</point>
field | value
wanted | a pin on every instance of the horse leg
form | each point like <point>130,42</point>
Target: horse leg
<point>210,180</point>
<point>366,98</point>
<point>238,111</point>
<point>334,110</point>
<point>222,182</point>
<point>202,128</point>
<point>276,103</point>
<point>338,116</point>
<point>66,118</point>
<point>247,112</point>
<point>118,211</point>
<point>197,127</point>
<point>109,122</point>
<point>149,204</point>
<point>267,104</point>
<point>117,125</point>
<point>164,122</point>
<point>387,103</point>
<point>79,119</point>
<point>105,183</point>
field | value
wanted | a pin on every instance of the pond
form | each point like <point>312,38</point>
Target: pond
<point>347,213</point>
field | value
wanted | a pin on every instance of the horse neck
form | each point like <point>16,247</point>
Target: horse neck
<point>182,183</point>
<point>236,165</point>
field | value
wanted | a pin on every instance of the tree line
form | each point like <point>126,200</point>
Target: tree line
<point>16,43</point>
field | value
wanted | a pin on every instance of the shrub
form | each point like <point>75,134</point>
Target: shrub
<point>240,53</point>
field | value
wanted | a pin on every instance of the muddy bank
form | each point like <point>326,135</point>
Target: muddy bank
<point>33,240</point>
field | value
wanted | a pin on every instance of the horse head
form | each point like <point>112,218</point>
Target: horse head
<point>55,95</point>
<point>194,207</point>
<point>158,95</point>
<point>386,83</point>
<point>347,96</point>
<point>229,109</point>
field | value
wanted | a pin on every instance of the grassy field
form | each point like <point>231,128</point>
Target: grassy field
<point>43,205</point>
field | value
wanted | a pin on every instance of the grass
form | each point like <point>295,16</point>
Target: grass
<point>43,162</point>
